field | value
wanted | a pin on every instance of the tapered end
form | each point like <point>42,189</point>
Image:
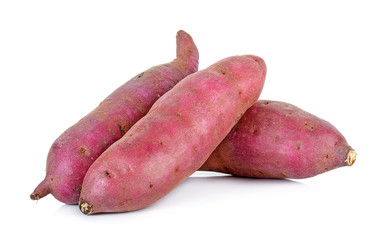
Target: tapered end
<point>41,190</point>
<point>351,157</point>
<point>187,51</point>
<point>85,207</point>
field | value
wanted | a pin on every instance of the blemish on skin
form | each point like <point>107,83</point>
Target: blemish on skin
<point>107,174</point>
<point>266,103</point>
<point>194,89</point>
<point>277,138</point>
<point>260,172</point>
<point>84,151</point>
<point>239,92</point>
<point>255,131</point>
<point>177,114</point>
<point>123,129</point>
<point>298,147</point>
<point>220,117</point>
<point>78,188</point>
<point>195,150</point>
<point>158,95</point>
<point>326,169</point>
<point>327,156</point>
<point>223,72</point>
<point>151,185</point>
<point>309,127</point>
<point>52,179</point>
<point>289,114</point>
<point>176,170</point>
<point>140,75</point>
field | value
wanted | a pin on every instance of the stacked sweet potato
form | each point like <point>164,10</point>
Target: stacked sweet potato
<point>170,121</point>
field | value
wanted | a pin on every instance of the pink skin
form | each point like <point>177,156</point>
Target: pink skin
<point>279,140</point>
<point>174,139</point>
<point>78,147</point>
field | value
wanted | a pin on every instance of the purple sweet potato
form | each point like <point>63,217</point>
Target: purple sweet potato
<point>279,140</point>
<point>79,146</point>
<point>174,139</point>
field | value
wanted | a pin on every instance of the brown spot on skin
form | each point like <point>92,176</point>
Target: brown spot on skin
<point>327,156</point>
<point>223,72</point>
<point>140,75</point>
<point>78,189</point>
<point>161,143</point>
<point>177,114</point>
<point>52,179</point>
<point>220,117</point>
<point>260,172</point>
<point>309,127</point>
<point>107,174</point>
<point>123,129</point>
<point>266,103</point>
<point>176,170</point>
<point>84,151</point>
<point>195,150</point>
<point>277,138</point>
<point>326,169</point>
<point>298,147</point>
<point>239,93</point>
<point>289,114</point>
<point>194,89</point>
<point>255,131</point>
<point>151,185</point>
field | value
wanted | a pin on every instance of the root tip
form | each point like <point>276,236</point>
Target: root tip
<point>34,196</point>
<point>85,207</point>
<point>351,157</point>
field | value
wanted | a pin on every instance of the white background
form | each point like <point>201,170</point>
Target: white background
<point>59,59</point>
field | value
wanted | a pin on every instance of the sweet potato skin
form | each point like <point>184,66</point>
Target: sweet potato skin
<point>279,140</point>
<point>79,146</point>
<point>174,139</point>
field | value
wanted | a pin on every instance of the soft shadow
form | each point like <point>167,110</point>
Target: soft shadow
<point>206,186</point>
<point>223,186</point>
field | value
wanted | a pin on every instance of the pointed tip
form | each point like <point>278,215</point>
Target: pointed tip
<point>41,190</point>
<point>187,51</point>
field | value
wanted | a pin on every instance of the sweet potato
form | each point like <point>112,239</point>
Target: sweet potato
<point>79,146</point>
<point>279,140</point>
<point>174,139</point>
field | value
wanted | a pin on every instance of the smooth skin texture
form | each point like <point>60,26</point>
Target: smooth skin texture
<point>175,138</point>
<point>78,147</point>
<point>279,140</point>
